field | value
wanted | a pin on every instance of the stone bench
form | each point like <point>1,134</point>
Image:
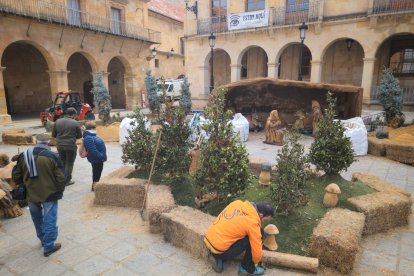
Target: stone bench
<point>335,241</point>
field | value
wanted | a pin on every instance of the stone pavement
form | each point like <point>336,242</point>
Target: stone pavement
<point>115,241</point>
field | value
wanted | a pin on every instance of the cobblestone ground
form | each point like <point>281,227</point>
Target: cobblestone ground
<point>115,241</point>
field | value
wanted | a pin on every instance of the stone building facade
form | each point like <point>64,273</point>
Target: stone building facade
<point>48,46</point>
<point>347,42</point>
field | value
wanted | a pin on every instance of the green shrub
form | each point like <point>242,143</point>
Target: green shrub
<point>381,134</point>
<point>290,176</point>
<point>332,150</point>
<point>185,100</point>
<point>101,98</point>
<point>224,163</point>
<point>152,93</point>
<point>139,146</point>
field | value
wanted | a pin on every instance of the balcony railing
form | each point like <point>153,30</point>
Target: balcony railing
<point>60,14</point>
<point>392,6</point>
<point>407,92</point>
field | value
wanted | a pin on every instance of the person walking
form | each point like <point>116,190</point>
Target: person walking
<point>66,130</point>
<point>41,172</point>
<point>96,149</point>
<point>237,229</point>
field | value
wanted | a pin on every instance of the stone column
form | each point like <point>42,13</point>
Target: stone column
<point>133,95</point>
<point>367,76</point>
<point>4,116</point>
<point>58,81</point>
<point>316,71</point>
<point>273,70</point>
<point>235,72</point>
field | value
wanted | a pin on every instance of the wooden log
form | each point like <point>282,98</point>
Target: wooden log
<point>291,261</point>
<point>12,212</point>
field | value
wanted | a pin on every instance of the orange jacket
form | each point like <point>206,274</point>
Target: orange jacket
<point>238,220</point>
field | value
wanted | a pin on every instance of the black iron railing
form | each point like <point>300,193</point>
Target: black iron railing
<point>407,93</point>
<point>392,6</point>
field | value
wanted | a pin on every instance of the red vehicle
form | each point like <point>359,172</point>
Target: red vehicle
<point>62,102</point>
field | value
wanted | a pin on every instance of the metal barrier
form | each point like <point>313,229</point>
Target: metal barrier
<point>407,94</point>
<point>392,6</point>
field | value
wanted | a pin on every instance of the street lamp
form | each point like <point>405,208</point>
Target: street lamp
<point>349,43</point>
<point>302,30</point>
<point>212,42</point>
<point>193,8</point>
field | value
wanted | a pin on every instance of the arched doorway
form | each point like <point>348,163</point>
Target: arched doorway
<point>26,79</point>
<point>80,73</point>
<point>254,63</point>
<point>289,63</point>
<point>222,70</point>
<point>116,83</point>
<point>343,62</point>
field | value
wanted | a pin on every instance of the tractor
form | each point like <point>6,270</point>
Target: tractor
<point>62,102</point>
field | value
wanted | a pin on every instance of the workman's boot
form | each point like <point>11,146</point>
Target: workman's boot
<point>258,271</point>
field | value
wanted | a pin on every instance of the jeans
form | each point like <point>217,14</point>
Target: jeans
<point>96,171</point>
<point>235,250</point>
<point>67,156</point>
<point>44,216</point>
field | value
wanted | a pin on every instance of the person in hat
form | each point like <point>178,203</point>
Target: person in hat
<point>42,173</point>
<point>66,130</point>
<point>237,229</point>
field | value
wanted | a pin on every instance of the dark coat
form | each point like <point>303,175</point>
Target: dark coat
<point>95,147</point>
<point>66,130</point>
<point>50,182</point>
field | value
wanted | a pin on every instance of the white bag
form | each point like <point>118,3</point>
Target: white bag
<point>241,126</point>
<point>357,132</point>
<point>126,125</point>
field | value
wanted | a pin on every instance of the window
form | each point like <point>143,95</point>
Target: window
<point>157,63</point>
<point>402,62</point>
<point>296,11</point>
<point>218,7</point>
<point>116,20</point>
<point>297,5</point>
<point>73,12</point>
<point>254,5</point>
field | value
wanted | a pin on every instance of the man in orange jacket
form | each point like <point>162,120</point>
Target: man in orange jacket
<point>237,229</point>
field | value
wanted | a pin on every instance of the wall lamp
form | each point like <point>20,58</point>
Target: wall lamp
<point>193,8</point>
<point>170,53</point>
<point>349,43</point>
<point>153,54</point>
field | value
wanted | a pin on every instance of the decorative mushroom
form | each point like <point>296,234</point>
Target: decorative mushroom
<point>331,195</point>
<point>264,177</point>
<point>270,240</point>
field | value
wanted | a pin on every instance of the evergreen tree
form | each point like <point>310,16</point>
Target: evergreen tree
<point>185,100</point>
<point>139,146</point>
<point>152,93</point>
<point>390,96</point>
<point>224,163</point>
<point>331,151</point>
<point>101,98</point>
<point>290,175</point>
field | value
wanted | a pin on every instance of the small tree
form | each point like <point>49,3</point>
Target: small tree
<point>390,96</point>
<point>139,146</point>
<point>224,163</point>
<point>152,92</point>
<point>101,98</point>
<point>290,176</point>
<point>185,100</point>
<point>332,150</point>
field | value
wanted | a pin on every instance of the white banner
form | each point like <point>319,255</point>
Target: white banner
<point>237,21</point>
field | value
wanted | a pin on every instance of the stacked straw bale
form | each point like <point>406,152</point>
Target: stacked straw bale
<point>122,172</point>
<point>376,146</point>
<point>159,200</point>
<point>383,210</point>
<point>185,227</point>
<point>378,184</point>
<point>335,241</point>
<point>17,136</point>
<point>401,153</point>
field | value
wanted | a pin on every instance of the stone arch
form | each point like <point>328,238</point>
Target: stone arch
<point>222,69</point>
<point>80,74</point>
<point>26,77</point>
<point>118,68</point>
<point>288,60</point>
<point>253,60</point>
<point>342,62</point>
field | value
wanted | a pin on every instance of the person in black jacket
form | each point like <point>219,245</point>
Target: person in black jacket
<point>96,149</point>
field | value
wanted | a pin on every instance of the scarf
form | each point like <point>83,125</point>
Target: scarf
<point>29,159</point>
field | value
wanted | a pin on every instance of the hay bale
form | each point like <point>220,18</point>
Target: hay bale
<point>17,136</point>
<point>335,241</point>
<point>159,200</point>
<point>383,210</point>
<point>185,227</point>
<point>400,152</point>
<point>376,146</point>
<point>109,133</point>
<point>122,172</point>
<point>378,184</point>
<point>121,192</point>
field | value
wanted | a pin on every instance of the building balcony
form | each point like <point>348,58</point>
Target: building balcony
<point>59,14</point>
<point>381,7</point>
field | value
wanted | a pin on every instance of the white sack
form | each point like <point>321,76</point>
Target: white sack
<point>357,132</point>
<point>126,125</point>
<point>241,126</point>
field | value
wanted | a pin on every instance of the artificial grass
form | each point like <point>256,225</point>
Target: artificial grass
<point>296,229</point>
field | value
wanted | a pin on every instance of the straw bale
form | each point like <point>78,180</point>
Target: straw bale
<point>335,241</point>
<point>122,172</point>
<point>121,192</point>
<point>17,136</point>
<point>185,227</point>
<point>376,146</point>
<point>109,133</point>
<point>400,152</point>
<point>383,210</point>
<point>159,200</point>
<point>378,184</point>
